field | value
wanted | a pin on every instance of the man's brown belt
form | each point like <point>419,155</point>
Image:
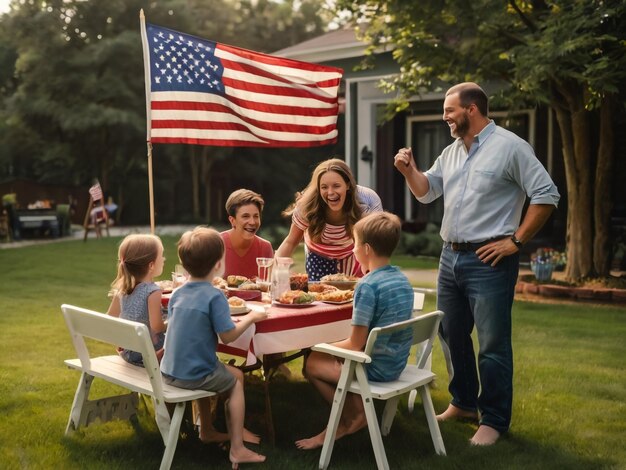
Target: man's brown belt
<point>467,246</point>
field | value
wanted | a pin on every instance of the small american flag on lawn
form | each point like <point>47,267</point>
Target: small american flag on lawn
<point>207,93</point>
<point>96,192</point>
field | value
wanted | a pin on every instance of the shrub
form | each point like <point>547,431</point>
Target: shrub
<point>426,243</point>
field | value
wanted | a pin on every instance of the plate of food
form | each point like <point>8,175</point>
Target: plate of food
<point>295,298</point>
<point>220,283</point>
<point>336,296</point>
<point>340,281</point>
<point>235,281</point>
<point>237,306</point>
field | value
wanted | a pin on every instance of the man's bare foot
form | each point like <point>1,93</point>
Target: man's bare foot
<point>454,412</point>
<point>485,436</point>
<point>244,455</point>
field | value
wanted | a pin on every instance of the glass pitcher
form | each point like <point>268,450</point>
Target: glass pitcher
<point>280,276</point>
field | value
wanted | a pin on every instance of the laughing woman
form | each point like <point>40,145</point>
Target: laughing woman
<point>323,215</point>
<point>241,243</point>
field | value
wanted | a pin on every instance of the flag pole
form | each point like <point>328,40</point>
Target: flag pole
<point>146,68</point>
<point>150,187</point>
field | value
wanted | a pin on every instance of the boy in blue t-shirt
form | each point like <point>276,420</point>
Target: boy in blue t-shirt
<point>382,297</point>
<point>198,314</point>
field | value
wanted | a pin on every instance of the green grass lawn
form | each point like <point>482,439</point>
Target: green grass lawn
<point>569,403</point>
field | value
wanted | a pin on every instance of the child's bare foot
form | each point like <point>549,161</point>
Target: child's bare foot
<point>312,442</point>
<point>212,436</point>
<point>250,437</point>
<point>454,412</point>
<point>485,436</point>
<point>244,455</point>
<point>353,426</point>
<point>342,430</point>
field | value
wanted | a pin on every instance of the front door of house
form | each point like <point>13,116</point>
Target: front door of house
<point>427,136</point>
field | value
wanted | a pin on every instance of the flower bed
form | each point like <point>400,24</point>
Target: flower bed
<point>528,284</point>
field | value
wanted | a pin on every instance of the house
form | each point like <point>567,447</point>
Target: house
<point>370,147</point>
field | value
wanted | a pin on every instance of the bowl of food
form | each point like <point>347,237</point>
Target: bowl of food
<point>340,281</point>
<point>299,281</point>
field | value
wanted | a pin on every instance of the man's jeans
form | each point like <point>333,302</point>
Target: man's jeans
<point>470,293</point>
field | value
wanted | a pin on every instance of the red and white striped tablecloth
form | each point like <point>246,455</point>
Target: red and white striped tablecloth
<point>289,329</point>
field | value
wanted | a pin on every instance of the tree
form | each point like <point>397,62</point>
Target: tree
<point>73,99</point>
<point>77,94</point>
<point>567,54</point>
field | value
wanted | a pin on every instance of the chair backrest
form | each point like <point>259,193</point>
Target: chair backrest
<point>424,328</point>
<point>418,300</point>
<point>124,333</point>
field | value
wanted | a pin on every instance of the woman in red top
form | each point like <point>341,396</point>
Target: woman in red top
<point>241,243</point>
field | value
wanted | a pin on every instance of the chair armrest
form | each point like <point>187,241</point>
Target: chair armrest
<point>357,356</point>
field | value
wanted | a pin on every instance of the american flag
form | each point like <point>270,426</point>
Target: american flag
<point>207,93</point>
<point>96,192</point>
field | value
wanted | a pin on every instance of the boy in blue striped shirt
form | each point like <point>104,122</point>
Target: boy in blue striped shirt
<point>382,297</point>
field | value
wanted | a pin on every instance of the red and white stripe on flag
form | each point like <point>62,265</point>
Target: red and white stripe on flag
<point>96,192</point>
<point>208,93</point>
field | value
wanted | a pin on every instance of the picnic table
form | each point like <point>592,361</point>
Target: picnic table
<point>39,221</point>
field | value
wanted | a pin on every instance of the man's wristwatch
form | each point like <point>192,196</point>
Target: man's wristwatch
<point>517,242</point>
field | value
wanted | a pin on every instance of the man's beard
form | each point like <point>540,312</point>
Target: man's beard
<point>462,126</point>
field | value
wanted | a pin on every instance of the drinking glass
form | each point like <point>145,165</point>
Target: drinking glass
<point>179,276</point>
<point>264,272</point>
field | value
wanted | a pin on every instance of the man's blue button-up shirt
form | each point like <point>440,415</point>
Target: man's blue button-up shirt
<point>485,189</point>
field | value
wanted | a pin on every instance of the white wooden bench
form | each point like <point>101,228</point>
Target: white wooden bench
<point>129,335</point>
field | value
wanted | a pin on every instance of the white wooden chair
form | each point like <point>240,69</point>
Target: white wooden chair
<point>418,304</point>
<point>354,379</point>
<point>84,323</point>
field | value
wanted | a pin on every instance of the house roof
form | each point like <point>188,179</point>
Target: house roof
<point>334,45</point>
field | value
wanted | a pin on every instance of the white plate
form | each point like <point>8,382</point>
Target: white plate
<point>280,304</point>
<point>239,310</point>
<point>332,302</point>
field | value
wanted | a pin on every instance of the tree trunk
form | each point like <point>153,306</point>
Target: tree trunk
<point>573,122</point>
<point>603,203</point>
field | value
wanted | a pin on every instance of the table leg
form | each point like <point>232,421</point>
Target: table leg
<point>269,418</point>
<point>271,362</point>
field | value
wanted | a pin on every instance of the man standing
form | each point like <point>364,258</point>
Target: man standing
<point>484,176</point>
